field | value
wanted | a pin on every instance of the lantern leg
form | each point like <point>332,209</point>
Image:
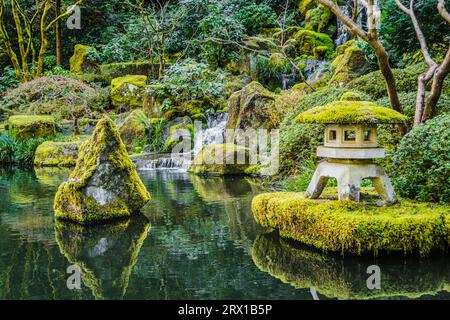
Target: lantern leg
<point>384,187</point>
<point>318,182</point>
<point>349,186</point>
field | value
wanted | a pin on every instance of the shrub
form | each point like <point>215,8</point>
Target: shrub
<point>8,79</point>
<point>15,152</point>
<point>421,165</point>
<point>56,95</point>
<point>298,142</point>
<point>374,85</point>
<point>255,17</point>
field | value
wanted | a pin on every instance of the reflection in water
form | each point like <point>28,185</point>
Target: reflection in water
<point>339,277</point>
<point>105,254</point>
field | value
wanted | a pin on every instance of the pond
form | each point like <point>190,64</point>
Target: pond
<point>197,240</point>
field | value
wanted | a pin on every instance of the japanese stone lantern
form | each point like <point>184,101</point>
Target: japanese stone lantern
<point>350,147</point>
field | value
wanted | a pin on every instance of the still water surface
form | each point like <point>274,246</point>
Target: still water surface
<point>197,240</point>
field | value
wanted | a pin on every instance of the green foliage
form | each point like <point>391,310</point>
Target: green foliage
<point>421,165</point>
<point>351,227</point>
<point>395,24</point>
<point>8,80</point>
<point>256,17</point>
<point>274,66</point>
<point>17,152</point>
<point>190,80</point>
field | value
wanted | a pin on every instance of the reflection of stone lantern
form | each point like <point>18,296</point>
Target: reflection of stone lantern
<point>350,147</point>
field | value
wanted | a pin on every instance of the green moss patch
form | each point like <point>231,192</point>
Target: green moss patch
<point>128,92</point>
<point>221,159</point>
<point>355,227</point>
<point>57,154</point>
<point>79,62</point>
<point>31,127</point>
<point>351,112</point>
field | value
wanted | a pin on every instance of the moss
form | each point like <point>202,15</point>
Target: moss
<point>57,154</point>
<point>349,64</point>
<point>221,159</point>
<point>123,69</point>
<point>351,112</point>
<point>79,61</point>
<point>128,92</point>
<point>31,127</point>
<point>133,129</point>
<point>357,228</point>
<point>306,41</point>
<point>118,176</point>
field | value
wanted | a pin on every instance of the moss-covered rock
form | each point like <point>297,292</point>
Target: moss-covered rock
<point>24,127</point>
<point>304,43</point>
<point>123,69</point>
<point>128,92</point>
<point>252,108</point>
<point>349,64</point>
<point>79,62</point>
<point>132,130</point>
<point>358,228</point>
<point>221,159</point>
<point>105,254</point>
<point>57,154</point>
<point>319,18</point>
<point>104,184</point>
<point>181,129</point>
<point>351,112</point>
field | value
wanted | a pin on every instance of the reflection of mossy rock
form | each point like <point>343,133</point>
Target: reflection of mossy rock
<point>79,62</point>
<point>346,277</point>
<point>104,184</point>
<point>128,92</point>
<point>133,128</point>
<point>180,129</point>
<point>53,154</point>
<point>350,110</point>
<point>221,159</point>
<point>105,254</point>
<point>358,228</point>
<point>31,127</point>
<point>349,64</point>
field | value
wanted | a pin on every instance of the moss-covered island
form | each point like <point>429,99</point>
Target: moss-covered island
<point>104,184</point>
<point>358,228</point>
<point>24,127</point>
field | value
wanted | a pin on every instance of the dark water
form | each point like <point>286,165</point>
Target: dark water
<point>197,240</point>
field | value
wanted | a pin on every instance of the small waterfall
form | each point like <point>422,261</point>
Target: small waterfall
<point>319,70</point>
<point>164,162</point>
<point>287,81</point>
<point>342,34</point>
<point>214,133</point>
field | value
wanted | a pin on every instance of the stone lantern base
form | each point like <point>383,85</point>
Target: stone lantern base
<point>349,174</point>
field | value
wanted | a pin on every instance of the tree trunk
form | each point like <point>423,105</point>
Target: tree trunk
<point>58,45</point>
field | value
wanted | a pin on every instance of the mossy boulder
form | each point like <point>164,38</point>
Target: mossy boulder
<point>351,111</point>
<point>79,62</point>
<point>24,127</point>
<point>104,184</point>
<point>311,44</point>
<point>57,154</point>
<point>123,69</point>
<point>358,228</point>
<point>133,129</point>
<point>221,159</point>
<point>349,64</point>
<point>252,108</point>
<point>128,92</point>
<point>180,129</point>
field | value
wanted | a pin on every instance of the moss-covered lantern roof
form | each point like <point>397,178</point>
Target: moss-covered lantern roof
<point>351,110</point>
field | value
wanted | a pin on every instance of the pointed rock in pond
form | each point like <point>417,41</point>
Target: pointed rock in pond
<point>104,184</point>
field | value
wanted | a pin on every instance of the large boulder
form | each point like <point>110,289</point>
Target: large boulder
<point>251,107</point>
<point>128,92</point>
<point>349,64</point>
<point>132,130</point>
<point>104,184</point>
<point>24,127</point>
<point>80,62</point>
<point>221,159</point>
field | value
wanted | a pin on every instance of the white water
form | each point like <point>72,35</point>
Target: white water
<point>214,133</point>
